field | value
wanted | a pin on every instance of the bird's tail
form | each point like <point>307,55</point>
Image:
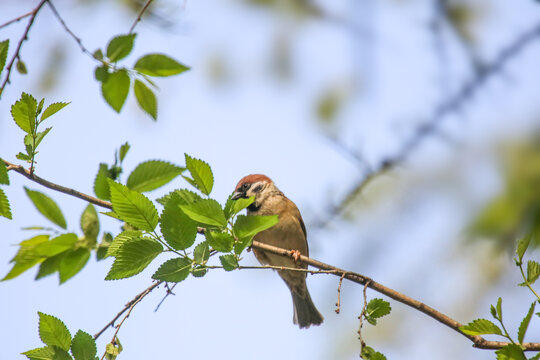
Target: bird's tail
<point>305,312</point>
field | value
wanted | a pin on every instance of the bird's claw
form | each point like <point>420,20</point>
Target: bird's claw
<point>295,254</point>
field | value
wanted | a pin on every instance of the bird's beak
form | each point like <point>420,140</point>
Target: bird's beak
<point>237,195</point>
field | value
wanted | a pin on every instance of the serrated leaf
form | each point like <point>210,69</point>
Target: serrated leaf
<point>72,263</point>
<point>4,177</point>
<point>41,135</point>
<point>228,262</point>
<point>219,241</point>
<point>201,173</point>
<point>5,209</point>
<point>201,253</point>
<point>24,113</point>
<point>90,222</point>
<point>510,352</point>
<point>188,197</point>
<point>124,150</point>
<point>133,257</point>
<point>525,323</point>
<point>26,257</point>
<point>50,265</point>
<point>145,98</point>
<point>499,308</point>
<point>101,183</point>
<point>241,244</point>
<point>378,308</point>
<point>43,353</point>
<point>480,327</point>
<point>533,271</point>
<point>159,65</point>
<point>207,211</point>
<point>53,109</point>
<point>493,311</point>
<point>22,156</point>
<point>121,239</point>
<point>233,207</point>
<point>133,207</point>
<point>178,229</point>
<point>152,174</point>
<point>53,332</point>
<point>116,89</point>
<point>4,47</point>
<point>120,47</point>
<point>248,226</point>
<point>173,270</point>
<point>47,207</point>
<point>199,271</point>
<point>83,346</point>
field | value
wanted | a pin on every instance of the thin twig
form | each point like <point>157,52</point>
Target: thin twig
<point>139,17</point>
<point>68,30</point>
<point>169,292</point>
<point>128,306</point>
<point>17,19</point>
<point>338,303</point>
<point>23,38</point>
<point>440,112</point>
<point>361,318</point>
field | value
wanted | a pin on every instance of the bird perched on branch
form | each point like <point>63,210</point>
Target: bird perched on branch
<point>289,233</point>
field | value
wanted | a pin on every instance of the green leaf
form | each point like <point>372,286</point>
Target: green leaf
<point>199,271</point>
<point>124,150</point>
<point>21,67</point>
<point>241,244</point>
<point>101,73</point>
<point>201,173</point>
<point>146,98</point>
<point>72,263</point>
<point>510,352</point>
<point>522,246</point>
<point>5,210</point>
<point>233,207</point>
<point>83,346</point>
<point>499,308</point>
<point>41,135</point>
<point>26,257</point>
<point>173,270</point>
<point>201,253</point>
<point>219,241</point>
<point>188,197</point>
<point>47,207</point>
<point>24,113</point>
<point>43,353</point>
<point>121,239</point>
<point>525,323</point>
<point>368,353</point>
<point>116,89</point>
<point>103,247</point>
<point>377,308</point>
<point>152,174</point>
<point>229,262</point>
<point>22,156</point>
<point>4,177</point>
<point>178,229</point>
<point>120,47</point>
<point>53,109</point>
<point>133,257</point>
<point>159,65</point>
<point>101,184</point>
<point>248,226</point>
<point>207,211</point>
<point>50,265</point>
<point>480,327</point>
<point>57,245</point>
<point>53,332</point>
<point>4,46</point>
<point>133,207</point>
<point>533,271</point>
<point>90,222</point>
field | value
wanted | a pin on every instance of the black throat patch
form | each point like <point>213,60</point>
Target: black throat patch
<point>253,207</point>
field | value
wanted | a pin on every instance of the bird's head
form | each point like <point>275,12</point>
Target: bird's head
<point>252,185</point>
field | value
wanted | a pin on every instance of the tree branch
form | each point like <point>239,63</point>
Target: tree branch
<point>24,37</point>
<point>440,112</point>
<point>478,341</point>
<point>139,17</point>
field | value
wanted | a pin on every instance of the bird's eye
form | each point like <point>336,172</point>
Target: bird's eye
<point>245,186</point>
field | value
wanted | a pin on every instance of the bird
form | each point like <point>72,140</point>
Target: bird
<point>289,233</point>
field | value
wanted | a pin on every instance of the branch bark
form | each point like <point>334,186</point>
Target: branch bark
<point>478,341</point>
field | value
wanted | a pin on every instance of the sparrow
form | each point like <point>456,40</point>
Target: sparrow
<point>289,233</point>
